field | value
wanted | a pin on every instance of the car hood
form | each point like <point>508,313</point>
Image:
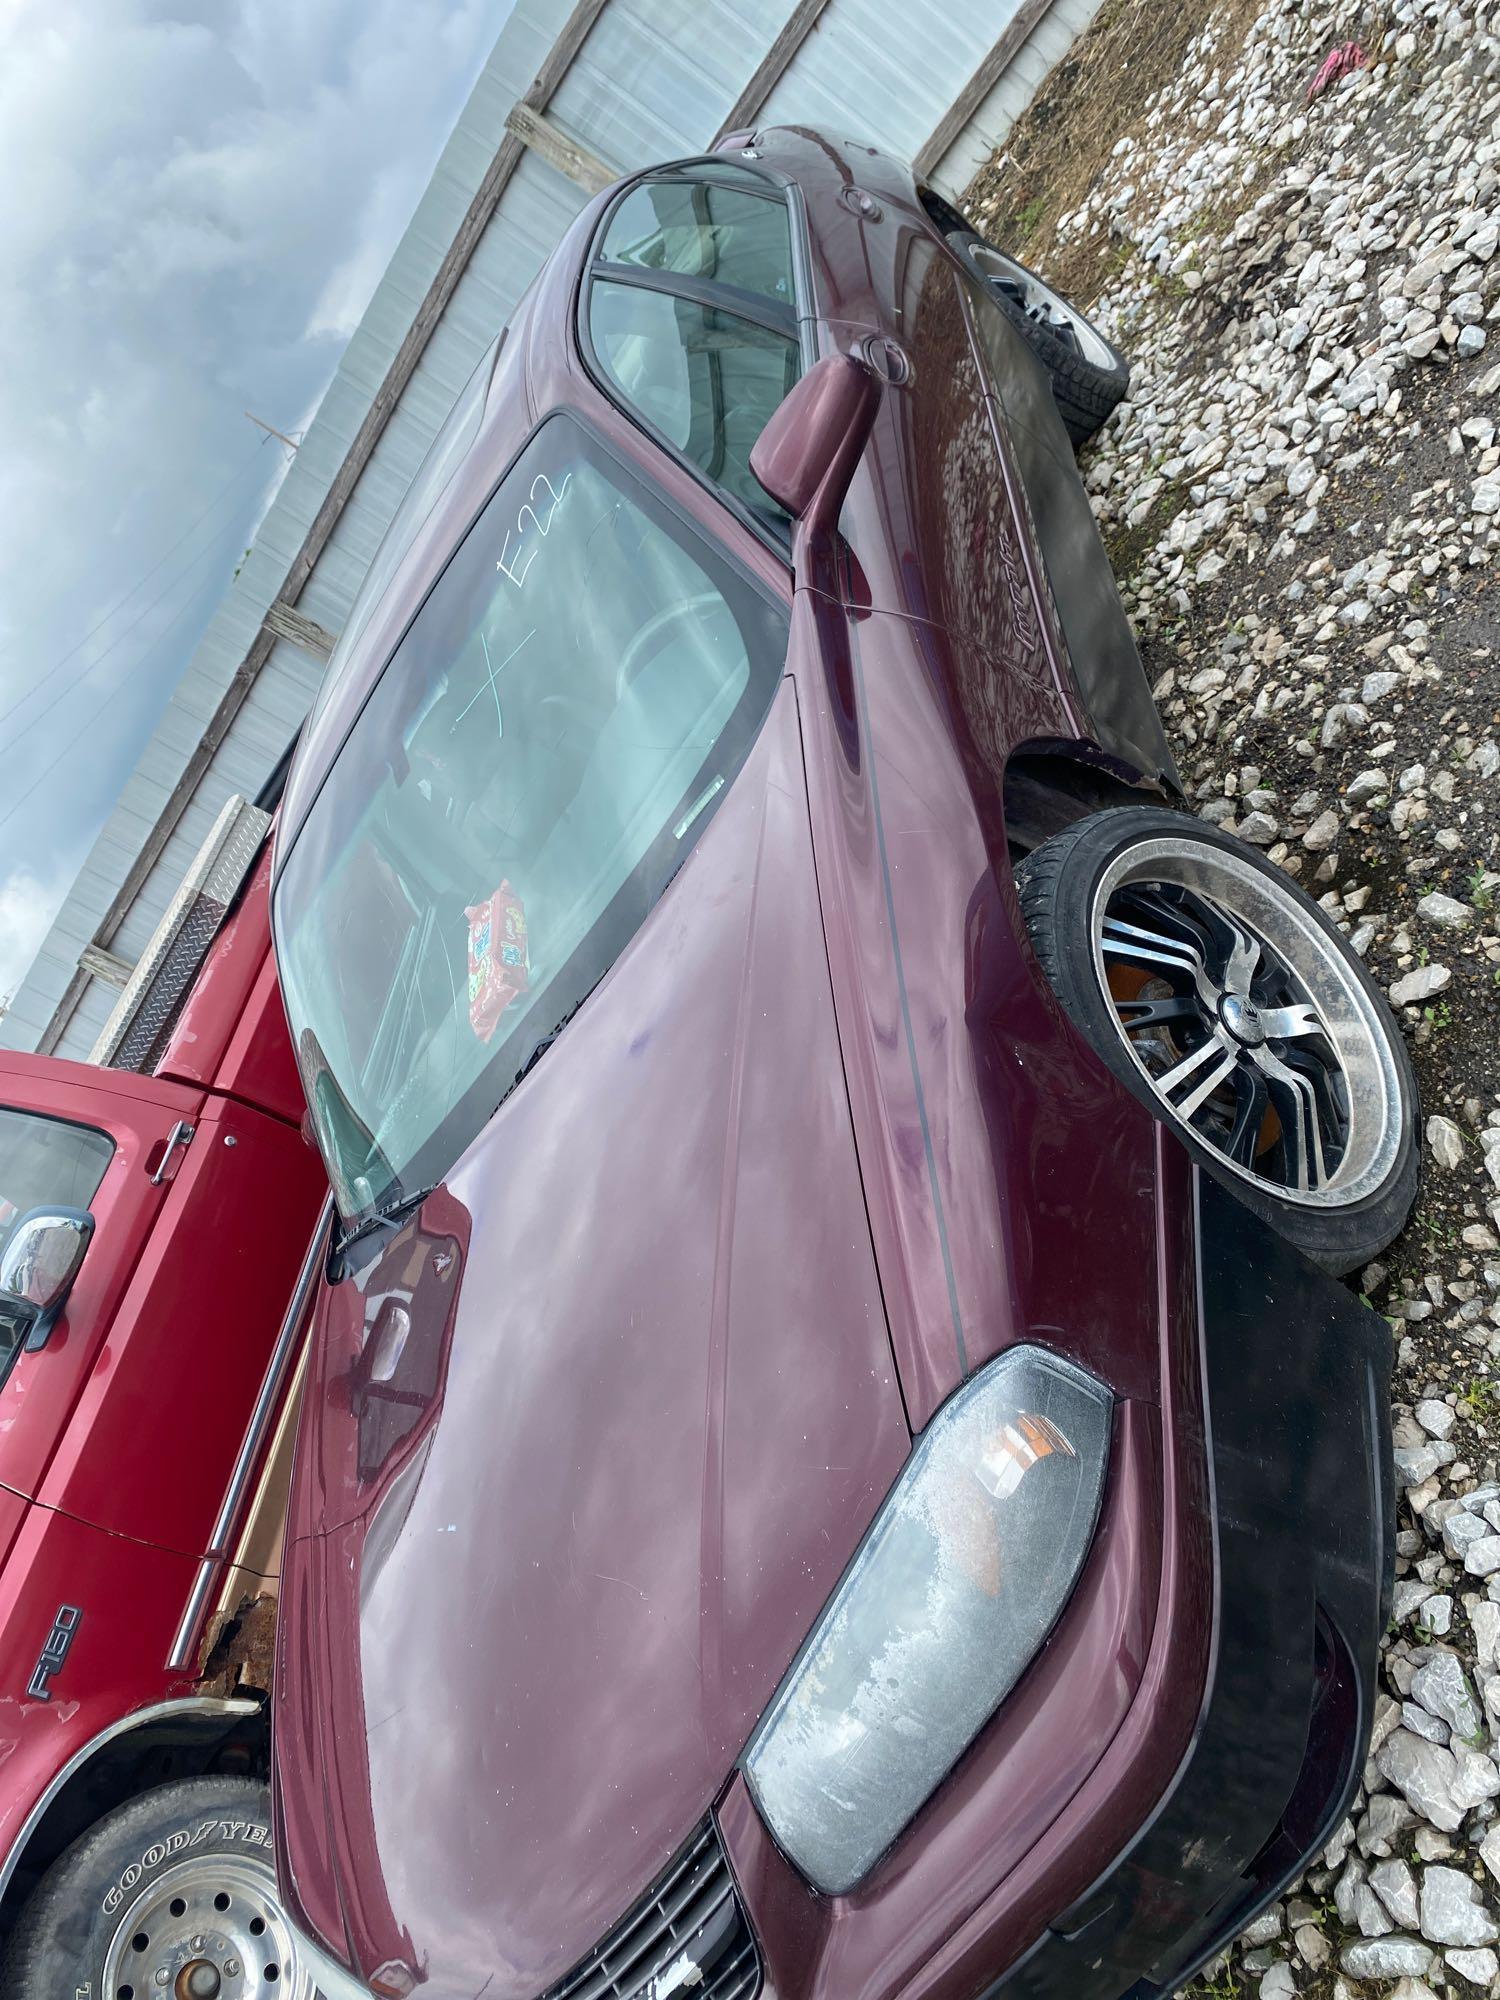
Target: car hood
<point>589,1445</point>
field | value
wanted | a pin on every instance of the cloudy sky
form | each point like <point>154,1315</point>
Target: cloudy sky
<point>200,196</point>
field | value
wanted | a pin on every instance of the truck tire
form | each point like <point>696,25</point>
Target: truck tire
<point>179,1880</point>
<point>1089,375</point>
<point>1221,995</point>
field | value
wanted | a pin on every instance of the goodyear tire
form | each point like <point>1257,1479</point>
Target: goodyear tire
<point>179,1881</point>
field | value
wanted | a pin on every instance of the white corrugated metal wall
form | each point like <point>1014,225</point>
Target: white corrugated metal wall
<point>909,68</point>
<point>1024,76</point>
<point>653,79</point>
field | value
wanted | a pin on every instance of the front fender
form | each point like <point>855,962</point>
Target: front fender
<point>103,1611</point>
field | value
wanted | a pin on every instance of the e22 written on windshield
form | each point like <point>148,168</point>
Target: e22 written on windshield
<point>531,527</point>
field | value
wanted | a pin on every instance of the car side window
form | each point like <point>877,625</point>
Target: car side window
<point>702,229</point>
<point>692,316</point>
<point>705,379</point>
<point>44,1163</point>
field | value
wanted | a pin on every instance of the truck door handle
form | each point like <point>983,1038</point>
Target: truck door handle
<point>181,1135</point>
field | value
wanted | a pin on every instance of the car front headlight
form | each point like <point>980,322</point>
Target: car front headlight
<point>963,1574</point>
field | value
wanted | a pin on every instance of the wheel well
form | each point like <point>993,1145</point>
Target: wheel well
<point>180,1740</point>
<point>942,213</point>
<point>1049,786</point>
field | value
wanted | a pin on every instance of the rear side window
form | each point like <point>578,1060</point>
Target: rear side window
<point>691,315</point>
<point>44,1163</point>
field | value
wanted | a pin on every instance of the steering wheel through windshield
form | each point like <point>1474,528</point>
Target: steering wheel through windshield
<point>643,645</point>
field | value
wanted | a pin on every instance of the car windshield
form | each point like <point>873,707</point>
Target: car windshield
<point>552,734</point>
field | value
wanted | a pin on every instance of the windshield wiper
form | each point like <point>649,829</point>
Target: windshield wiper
<point>391,1216</point>
<point>545,1043</point>
<point>395,1212</point>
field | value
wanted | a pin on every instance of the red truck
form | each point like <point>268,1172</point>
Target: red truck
<point>156,1218</point>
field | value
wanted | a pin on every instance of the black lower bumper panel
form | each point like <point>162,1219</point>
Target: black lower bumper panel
<point>1298,1376</point>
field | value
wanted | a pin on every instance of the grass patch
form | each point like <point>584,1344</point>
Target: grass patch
<point>1479,1400</point>
<point>1028,218</point>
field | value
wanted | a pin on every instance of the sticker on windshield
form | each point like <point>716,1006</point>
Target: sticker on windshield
<point>497,958</point>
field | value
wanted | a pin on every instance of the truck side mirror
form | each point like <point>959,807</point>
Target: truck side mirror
<point>40,1262</point>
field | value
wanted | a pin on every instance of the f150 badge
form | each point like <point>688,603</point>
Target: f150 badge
<point>64,1629</point>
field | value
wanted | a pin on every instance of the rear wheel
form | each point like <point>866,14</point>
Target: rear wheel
<point>1089,375</point>
<point>170,1897</point>
<point>1219,993</point>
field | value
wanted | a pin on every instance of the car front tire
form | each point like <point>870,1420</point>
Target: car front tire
<point>1219,993</point>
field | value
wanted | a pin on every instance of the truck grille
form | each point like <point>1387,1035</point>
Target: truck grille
<point>686,1936</point>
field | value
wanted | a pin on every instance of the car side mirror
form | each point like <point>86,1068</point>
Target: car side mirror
<point>40,1261</point>
<point>806,455</point>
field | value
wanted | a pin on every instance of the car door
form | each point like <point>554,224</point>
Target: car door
<point>1082,591</point>
<point>103,1140</point>
<point>690,318</point>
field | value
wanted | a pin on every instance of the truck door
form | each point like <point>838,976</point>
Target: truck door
<point>81,1138</point>
<point>161,1418</point>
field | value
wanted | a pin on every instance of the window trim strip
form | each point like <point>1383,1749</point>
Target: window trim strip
<point>756,307</point>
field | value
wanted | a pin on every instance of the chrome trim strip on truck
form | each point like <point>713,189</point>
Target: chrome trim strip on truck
<point>265,1408</point>
<point>162,1711</point>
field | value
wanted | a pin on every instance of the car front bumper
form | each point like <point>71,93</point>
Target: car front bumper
<point>1296,1388</point>
<point>1298,1375</point>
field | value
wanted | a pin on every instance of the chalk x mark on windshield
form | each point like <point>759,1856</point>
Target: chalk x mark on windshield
<point>491,672</point>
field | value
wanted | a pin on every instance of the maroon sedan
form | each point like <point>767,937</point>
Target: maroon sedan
<point>834,1465</point>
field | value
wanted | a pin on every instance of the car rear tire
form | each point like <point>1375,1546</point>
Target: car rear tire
<point>1221,995</point>
<point>1089,375</point>
<point>180,1879</point>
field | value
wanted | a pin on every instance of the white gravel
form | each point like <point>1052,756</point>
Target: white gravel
<point>1423,984</point>
<point>1453,1909</point>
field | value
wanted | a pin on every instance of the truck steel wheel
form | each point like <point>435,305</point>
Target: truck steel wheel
<point>171,1897</point>
<point>1220,993</point>
<point>1089,376</point>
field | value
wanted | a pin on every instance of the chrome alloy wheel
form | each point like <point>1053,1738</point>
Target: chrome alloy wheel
<point>208,1929</point>
<point>1246,1020</point>
<point>1039,302</point>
